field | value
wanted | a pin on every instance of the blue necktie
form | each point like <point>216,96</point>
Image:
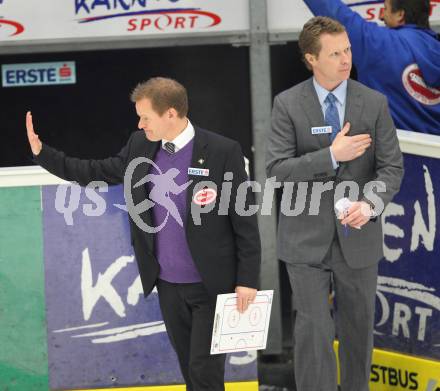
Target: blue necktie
<point>332,115</point>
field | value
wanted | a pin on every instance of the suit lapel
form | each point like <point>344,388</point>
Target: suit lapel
<point>144,149</point>
<point>199,159</point>
<point>353,107</point>
<point>353,111</point>
<point>312,108</point>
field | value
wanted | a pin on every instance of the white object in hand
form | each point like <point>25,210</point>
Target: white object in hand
<point>341,208</point>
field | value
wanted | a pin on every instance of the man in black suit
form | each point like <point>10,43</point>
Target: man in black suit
<point>203,247</point>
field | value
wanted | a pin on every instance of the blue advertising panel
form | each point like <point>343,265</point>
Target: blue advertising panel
<point>102,332</point>
<point>408,293</point>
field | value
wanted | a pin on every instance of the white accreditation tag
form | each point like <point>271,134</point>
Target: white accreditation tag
<point>198,171</point>
<point>321,130</point>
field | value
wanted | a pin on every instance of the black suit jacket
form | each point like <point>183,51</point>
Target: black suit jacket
<point>225,246</point>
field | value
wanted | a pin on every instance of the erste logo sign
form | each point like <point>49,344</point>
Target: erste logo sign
<point>38,74</point>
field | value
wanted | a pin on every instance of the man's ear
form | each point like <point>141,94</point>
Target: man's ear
<point>310,58</point>
<point>400,17</point>
<point>172,113</point>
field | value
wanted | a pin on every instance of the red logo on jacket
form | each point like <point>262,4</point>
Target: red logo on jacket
<point>414,84</point>
<point>205,196</point>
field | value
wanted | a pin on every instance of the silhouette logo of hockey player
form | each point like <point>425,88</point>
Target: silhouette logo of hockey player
<point>164,184</point>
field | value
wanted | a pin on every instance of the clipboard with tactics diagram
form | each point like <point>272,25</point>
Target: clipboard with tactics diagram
<point>235,332</point>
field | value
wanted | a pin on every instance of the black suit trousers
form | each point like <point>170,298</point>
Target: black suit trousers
<point>188,312</point>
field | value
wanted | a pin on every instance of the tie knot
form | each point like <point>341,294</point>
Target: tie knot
<point>331,99</point>
<point>170,147</point>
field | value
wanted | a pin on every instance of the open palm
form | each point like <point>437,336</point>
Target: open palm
<point>34,140</point>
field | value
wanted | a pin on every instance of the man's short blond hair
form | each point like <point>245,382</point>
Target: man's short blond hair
<point>164,93</point>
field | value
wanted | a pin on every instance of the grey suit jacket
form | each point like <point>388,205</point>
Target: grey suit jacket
<point>296,155</point>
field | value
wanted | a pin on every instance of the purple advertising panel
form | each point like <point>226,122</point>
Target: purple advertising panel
<point>408,293</point>
<point>102,332</point>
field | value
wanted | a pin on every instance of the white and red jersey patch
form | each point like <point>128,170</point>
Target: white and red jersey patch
<point>414,84</point>
<point>205,196</point>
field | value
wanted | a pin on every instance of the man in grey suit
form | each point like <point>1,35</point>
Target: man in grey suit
<point>326,131</point>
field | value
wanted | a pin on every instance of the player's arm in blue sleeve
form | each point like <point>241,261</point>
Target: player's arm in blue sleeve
<point>368,40</point>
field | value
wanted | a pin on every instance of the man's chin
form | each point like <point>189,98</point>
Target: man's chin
<point>149,136</point>
<point>345,75</point>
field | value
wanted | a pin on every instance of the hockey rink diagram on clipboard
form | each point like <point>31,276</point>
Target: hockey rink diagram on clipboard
<point>235,332</point>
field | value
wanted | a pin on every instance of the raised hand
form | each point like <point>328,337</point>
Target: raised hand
<point>34,140</point>
<point>346,148</point>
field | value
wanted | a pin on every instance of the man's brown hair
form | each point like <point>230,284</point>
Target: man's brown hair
<point>309,41</point>
<point>164,93</point>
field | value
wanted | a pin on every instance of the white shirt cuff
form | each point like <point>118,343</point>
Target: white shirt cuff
<point>334,162</point>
